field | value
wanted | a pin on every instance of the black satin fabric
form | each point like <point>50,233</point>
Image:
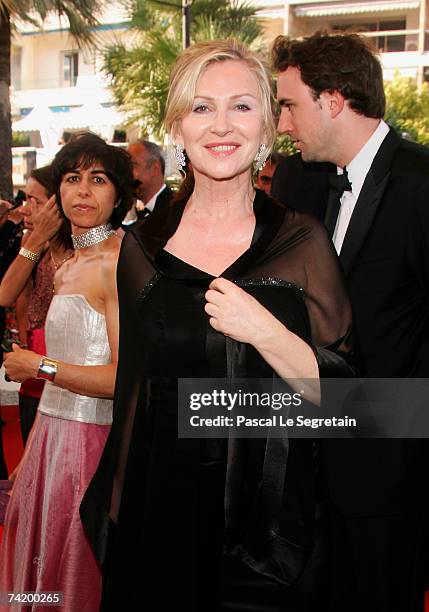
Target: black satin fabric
<point>166,515</point>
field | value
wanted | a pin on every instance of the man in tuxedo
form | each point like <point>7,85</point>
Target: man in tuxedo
<point>149,184</point>
<point>330,91</point>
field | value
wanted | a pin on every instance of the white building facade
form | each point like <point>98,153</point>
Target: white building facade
<point>50,74</point>
<point>399,29</point>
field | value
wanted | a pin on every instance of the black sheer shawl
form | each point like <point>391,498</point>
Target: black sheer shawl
<point>287,247</point>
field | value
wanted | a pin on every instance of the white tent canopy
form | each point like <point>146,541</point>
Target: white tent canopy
<point>41,119</point>
<point>92,116</point>
<point>95,117</point>
<point>38,118</point>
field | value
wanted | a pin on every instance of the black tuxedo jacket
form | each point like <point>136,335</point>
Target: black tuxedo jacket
<point>385,258</point>
<point>302,185</point>
<point>162,201</point>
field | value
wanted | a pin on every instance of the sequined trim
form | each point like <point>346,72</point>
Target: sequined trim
<point>270,281</point>
<point>149,286</point>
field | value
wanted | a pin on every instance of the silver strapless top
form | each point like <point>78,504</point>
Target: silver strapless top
<point>76,333</point>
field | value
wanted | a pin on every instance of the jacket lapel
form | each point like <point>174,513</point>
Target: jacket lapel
<point>163,200</point>
<point>369,200</point>
<point>332,210</point>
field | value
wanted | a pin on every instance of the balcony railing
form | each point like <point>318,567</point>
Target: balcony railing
<point>393,41</point>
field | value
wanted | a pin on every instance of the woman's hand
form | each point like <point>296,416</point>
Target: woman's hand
<point>21,364</point>
<point>9,213</point>
<point>236,314</point>
<point>16,215</point>
<point>45,221</point>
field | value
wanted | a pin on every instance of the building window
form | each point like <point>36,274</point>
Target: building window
<point>384,43</point>
<point>70,68</point>
<point>16,67</point>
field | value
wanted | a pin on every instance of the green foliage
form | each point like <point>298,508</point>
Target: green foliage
<point>284,145</point>
<point>81,14</point>
<point>408,109</point>
<point>139,75</point>
<point>20,139</point>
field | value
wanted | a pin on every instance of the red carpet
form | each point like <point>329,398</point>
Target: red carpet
<point>12,441</point>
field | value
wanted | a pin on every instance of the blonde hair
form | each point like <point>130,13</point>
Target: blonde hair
<point>193,62</point>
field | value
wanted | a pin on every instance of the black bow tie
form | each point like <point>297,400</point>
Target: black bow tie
<point>142,214</point>
<point>340,182</point>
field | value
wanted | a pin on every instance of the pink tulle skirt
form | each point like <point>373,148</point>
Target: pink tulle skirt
<point>44,547</point>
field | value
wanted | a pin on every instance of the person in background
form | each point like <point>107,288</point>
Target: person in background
<point>330,90</point>
<point>30,283</point>
<point>10,240</point>
<point>11,229</point>
<point>44,547</point>
<point>149,183</point>
<point>265,174</point>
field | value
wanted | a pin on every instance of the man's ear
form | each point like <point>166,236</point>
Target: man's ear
<point>156,168</point>
<point>333,102</point>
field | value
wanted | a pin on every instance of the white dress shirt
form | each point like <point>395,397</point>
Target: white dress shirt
<point>131,216</point>
<point>357,170</point>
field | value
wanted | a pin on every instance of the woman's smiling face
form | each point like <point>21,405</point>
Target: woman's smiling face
<point>223,131</point>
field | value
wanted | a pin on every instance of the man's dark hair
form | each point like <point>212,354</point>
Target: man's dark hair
<point>155,153</point>
<point>336,62</point>
<point>43,176</point>
<point>84,151</point>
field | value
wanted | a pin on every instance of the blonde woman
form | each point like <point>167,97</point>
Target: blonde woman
<point>225,283</point>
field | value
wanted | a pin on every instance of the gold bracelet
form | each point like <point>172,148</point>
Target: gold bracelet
<point>29,254</point>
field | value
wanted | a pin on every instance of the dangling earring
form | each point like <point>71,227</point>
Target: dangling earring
<point>180,156</point>
<point>261,157</point>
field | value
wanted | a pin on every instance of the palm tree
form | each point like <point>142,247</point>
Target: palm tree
<point>81,15</point>
<point>139,75</point>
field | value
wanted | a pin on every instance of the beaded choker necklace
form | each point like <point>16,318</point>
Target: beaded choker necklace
<point>92,236</point>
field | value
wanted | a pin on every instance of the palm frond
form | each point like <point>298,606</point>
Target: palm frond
<point>139,76</point>
<point>79,15</point>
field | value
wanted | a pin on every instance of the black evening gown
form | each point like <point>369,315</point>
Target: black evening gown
<point>207,525</point>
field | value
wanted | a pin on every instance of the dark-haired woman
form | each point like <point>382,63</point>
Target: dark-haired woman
<point>44,547</point>
<point>28,283</point>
